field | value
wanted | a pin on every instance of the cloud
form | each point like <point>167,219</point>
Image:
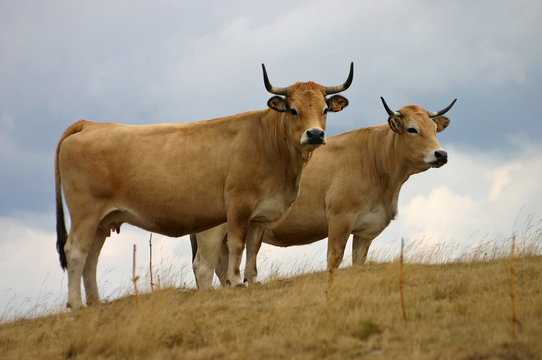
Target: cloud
<point>437,208</point>
<point>500,178</point>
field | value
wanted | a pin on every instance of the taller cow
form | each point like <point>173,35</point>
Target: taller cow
<point>350,186</point>
<point>176,179</point>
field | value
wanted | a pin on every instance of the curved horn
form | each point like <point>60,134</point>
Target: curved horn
<point>388,110</point>
<point>272,89</point>
<point>432,114</point>
<point>337,89</point>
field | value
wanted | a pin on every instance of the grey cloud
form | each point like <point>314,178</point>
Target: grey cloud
<point>137,62</point>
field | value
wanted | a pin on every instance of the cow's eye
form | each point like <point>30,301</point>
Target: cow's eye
<point>325,111</point>
<point>293,112</point>
<point>412,130</point>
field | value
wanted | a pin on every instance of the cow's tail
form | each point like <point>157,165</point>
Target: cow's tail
<point>61,233</point>
<point>194,243</point>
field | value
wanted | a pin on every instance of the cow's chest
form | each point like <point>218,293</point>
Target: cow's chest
<point>373,221</point>
<point>272,209</point>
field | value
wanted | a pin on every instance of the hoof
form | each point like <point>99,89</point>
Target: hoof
<point>251,282</point>
<point>74,308</point>
<point>240,285</point>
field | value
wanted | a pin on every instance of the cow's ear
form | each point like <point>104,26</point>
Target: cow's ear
<point>337,103</point>
<point>396,124</point>
<point>442,122</point>
<point>277,103</point>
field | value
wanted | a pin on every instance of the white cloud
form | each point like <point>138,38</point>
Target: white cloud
<point>439,208</point>
<point>500,178</point>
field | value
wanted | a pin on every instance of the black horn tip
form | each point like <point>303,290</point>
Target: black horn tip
<point>350,76</point>
<point>388,110</point>
<point>266,82</point>
<point>443,111</point>
<point>336,89</point>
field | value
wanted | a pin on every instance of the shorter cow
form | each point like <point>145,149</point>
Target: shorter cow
<point>350,186</point>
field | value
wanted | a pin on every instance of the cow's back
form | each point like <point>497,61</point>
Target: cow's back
<point>167,178</point>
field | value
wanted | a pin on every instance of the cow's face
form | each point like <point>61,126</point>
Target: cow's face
<point>306,107</point>
<point>417,130</point>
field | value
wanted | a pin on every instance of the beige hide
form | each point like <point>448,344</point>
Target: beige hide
<point>175,179</point>
<point>350,186</point>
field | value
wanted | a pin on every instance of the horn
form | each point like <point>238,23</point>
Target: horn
<point>337,89</point>
<point>432,114</point>
<point>388,110</point>
<point>272,89</point>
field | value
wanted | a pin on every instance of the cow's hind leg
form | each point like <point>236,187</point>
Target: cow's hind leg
<point>207,256</point>
<point>89,270</point>
<point>80,240</point>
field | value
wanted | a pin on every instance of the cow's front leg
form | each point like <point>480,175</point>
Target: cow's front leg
<point>253,244</point>
<point>360,248</point>
<point>237,231</point>
<point>222,267</point>
<point>338,233</point>
<point>339,230</point>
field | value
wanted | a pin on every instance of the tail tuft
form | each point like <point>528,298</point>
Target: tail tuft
<point>61,236</point>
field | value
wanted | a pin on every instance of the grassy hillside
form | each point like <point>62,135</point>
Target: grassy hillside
<point>455,311</point>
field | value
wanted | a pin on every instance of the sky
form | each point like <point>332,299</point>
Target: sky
<point>139,62</point>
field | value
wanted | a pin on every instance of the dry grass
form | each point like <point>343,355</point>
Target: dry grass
<point>459,310</point>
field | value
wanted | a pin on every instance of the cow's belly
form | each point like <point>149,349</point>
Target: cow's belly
<point>371,223</point>
<point>166,221</point>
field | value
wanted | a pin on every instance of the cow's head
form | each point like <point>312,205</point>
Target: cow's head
<point>306,106</point>
<point>417,130</point>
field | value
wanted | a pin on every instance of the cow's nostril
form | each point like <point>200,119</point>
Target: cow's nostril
<point>441,155</point>
<point>314,136</point>
<point>316,133</point>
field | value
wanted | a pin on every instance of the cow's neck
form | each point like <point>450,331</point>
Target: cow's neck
<point>390,170</point>
<point>286,159</point>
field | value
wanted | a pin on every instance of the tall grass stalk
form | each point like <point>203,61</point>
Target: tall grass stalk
<point>150,262</point>
<point>512,288</point>
<point>135,278</point>
<point>402,282</point>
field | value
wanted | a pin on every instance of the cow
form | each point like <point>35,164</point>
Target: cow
<point>350,186</point>
<point>179,178</point>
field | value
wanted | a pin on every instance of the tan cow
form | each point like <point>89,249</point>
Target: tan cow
<point>350,186</point>
<point>176,179</point>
